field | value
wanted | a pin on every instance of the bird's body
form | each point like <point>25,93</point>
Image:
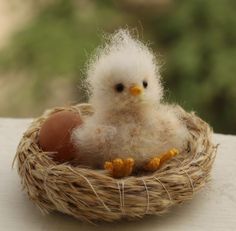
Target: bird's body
<point>139,136</point>
<point>129,119</point>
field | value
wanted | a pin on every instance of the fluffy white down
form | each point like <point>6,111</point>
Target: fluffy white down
<point>125,125</point>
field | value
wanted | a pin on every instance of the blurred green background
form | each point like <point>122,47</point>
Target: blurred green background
<point>42,57</point>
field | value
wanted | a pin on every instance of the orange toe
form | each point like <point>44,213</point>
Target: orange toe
<point>168,155</point>
<point>128,166</point>
<point>153,164</point>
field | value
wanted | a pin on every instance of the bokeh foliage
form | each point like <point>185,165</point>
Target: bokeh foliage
<point>199,39</point>
<point>196,39</point>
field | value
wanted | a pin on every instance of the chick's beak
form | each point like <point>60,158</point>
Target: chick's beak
<point>135,90</point>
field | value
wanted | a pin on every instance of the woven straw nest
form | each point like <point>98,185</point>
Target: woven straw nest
<point>93,195</point>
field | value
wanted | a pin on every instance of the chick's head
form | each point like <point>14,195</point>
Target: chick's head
<point>124,75</point>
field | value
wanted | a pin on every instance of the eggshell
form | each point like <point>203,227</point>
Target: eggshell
<point>55,135</point>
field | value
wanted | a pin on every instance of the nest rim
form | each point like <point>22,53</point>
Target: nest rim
<point>92,195</point>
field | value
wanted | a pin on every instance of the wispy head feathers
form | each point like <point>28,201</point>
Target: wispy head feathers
<point>123,59</point>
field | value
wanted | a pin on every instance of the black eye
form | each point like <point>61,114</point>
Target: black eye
<point>145,84</point>
<point>119,87</point>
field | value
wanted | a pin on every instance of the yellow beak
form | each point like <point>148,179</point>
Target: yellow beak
<point>135,90</point>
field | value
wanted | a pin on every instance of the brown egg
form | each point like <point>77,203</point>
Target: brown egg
<point>55,135</point>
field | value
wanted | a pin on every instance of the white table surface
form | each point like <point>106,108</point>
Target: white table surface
<point>214,208</point>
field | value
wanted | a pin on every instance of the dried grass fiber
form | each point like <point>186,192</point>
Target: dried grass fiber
<point>92,195</point>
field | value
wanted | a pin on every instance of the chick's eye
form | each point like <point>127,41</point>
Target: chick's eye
<point>119,87</point>
<point>145,83</point>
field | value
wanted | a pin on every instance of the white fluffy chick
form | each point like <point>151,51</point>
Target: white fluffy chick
<point>130,124</point>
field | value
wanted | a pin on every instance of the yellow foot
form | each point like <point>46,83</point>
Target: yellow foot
<point>156,162</point>
<point>120,167</point>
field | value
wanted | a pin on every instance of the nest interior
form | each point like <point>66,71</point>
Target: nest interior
<point>92,195</point>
